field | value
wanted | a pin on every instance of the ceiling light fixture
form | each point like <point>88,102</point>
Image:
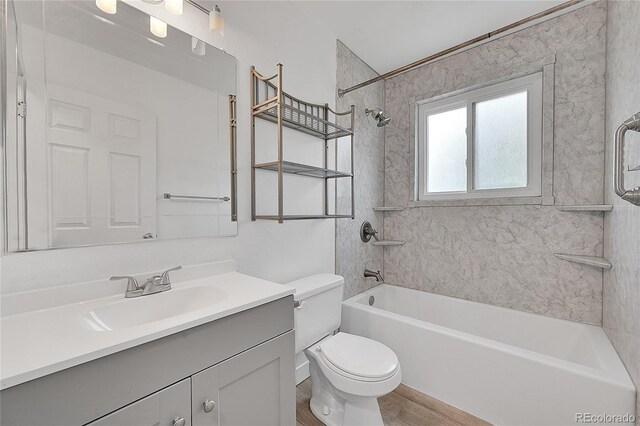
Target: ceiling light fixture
<point>175,7</point>
<point>157,27</point>
<point>216,20</point>
<point>107,6</point>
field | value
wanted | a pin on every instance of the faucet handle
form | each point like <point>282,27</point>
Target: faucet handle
<point>165,275</point>
<point>132,283</point>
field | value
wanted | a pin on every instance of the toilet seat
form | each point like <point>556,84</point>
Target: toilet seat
<point>388,376</point>
<point>358,358</point>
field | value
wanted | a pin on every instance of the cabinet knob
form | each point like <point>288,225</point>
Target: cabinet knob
<point>179,421</point>
<point>208,406</point>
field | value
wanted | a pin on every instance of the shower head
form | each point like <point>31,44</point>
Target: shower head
<point>383,121</point>
<point>379,116</point>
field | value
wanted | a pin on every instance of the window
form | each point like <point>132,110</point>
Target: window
<point>483,143</point>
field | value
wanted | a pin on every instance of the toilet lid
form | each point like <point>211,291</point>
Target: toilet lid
<point>360,356</point>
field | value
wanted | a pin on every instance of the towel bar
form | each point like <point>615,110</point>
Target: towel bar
<point>169,196</point>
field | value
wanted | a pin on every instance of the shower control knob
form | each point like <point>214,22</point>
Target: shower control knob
<point>179,421</point>
<point>208,406</point>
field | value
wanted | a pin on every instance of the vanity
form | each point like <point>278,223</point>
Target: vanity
<point>216,349</point>
<point>130,136</point>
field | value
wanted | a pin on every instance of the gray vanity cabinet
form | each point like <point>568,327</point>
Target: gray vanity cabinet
<point>247,389</point>
<point>168,407</point>
<point>242,366</point>
<point>252,388</point>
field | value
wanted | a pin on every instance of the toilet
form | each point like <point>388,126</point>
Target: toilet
<point>348,372</point>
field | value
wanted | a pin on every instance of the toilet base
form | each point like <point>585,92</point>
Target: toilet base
<point>334,408</point>
<point>366,413</point>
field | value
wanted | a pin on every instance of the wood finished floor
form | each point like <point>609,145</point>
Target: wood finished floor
<point>402,407</point>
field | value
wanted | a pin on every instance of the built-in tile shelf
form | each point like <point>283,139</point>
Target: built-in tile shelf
<point>599,262</point>
<point>388,243</point>
<point>586,208</point>
<point>634,169</point>
<point>388,209</point>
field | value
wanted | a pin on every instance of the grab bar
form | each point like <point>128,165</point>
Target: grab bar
<point>169,196</point>
<point>234,163</point>
<point>630,195</point>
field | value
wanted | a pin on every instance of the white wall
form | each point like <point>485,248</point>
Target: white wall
<point>256,33</point>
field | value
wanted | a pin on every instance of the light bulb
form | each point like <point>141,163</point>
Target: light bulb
<point>197,46</point>
<point>216,21</point>
<point>174,6</point>
<point>107,6</point>
<point>157,27</point>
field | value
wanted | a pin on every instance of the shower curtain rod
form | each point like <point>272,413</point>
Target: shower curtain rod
<point>394,72</point>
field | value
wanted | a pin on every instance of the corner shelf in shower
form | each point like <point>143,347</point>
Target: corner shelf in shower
<point>269,102</point>
<point>388,208</point>
<point>634,169</point>
<point>598,262</point>
<point>586,208</point>
<point>388,243</point>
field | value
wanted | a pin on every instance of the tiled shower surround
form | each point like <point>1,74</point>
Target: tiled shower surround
<point>352,255</point>
<point>621,309</point>
<point>503,254</point>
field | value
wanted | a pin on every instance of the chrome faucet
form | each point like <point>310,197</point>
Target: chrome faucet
<point>152,285</point>
<point>367,231</point>
<point>371,274</point>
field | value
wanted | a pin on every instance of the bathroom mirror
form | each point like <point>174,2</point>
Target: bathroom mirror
<point>123,129</point>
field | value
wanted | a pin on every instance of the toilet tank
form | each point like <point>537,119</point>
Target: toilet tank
<point>319,308</point>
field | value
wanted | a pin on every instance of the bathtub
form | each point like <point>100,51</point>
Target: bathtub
<point>504,366</point>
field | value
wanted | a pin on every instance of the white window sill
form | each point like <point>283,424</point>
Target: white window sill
<point>495,201</point>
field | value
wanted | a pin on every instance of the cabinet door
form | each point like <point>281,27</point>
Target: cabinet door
<point>256,387</point>
<point>169,407</point>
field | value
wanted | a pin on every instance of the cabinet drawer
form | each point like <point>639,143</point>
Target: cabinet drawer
<point>168,407</point>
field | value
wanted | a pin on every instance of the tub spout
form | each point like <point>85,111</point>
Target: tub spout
<point>376,275</point>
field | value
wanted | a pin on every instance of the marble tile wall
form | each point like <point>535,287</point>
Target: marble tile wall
<point>621,304</point>
<point>352,255</point>
<point>503,255</point>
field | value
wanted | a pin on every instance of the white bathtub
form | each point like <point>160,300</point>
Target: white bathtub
<point>504,366</point>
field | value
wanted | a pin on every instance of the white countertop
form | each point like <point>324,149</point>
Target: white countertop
<point>39,342</point>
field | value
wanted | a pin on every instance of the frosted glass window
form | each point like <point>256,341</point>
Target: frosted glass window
<point>501,142</point>
<point>499,155</point>
<point>447,151</point>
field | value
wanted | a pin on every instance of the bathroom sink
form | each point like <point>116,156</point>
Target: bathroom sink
<point>127,313</point>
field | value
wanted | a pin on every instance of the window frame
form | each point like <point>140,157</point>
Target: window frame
<point>532,84</point>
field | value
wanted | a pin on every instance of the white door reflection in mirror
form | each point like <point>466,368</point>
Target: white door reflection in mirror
<point>102,164</point>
